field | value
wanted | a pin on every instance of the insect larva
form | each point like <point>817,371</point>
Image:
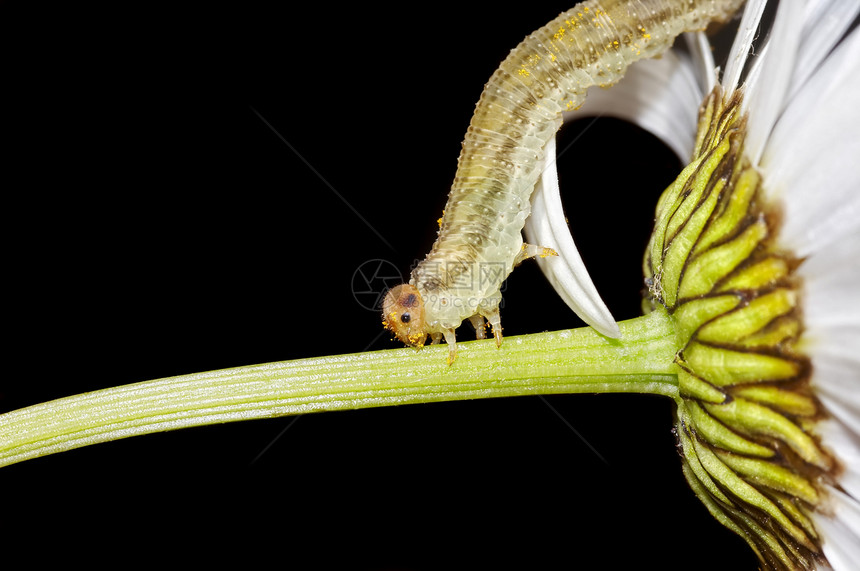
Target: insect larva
<point>480,236</point>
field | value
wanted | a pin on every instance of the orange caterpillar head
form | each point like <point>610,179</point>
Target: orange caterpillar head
<point>403,314</point>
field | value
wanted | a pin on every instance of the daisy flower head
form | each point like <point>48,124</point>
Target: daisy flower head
<point>754,256</point>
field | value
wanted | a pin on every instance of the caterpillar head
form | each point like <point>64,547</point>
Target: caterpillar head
<point>403,314</point>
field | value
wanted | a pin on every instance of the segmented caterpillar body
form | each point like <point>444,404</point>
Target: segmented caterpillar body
<point>480,236</point>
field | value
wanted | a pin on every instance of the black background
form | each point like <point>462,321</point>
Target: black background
<point>161,227</point>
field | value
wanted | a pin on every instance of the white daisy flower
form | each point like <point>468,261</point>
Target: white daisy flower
<point>752,272</point>
<point>763,225</point>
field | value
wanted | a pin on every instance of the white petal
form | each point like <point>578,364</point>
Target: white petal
<point>843,443</point>
<point>821,202</point>
<point>825,22</point>
<point>742,44</point>
<point>830,284</point>
<point>831,309</point>
<point>661,96</point>
<point>833,401</point>
<point>840,532</point>
<point>547,227</point>
<point>767,89</point>
<point>702,61</point>
<point>835,377</point>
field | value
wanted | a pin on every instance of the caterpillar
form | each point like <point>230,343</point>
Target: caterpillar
<point>519,111</point>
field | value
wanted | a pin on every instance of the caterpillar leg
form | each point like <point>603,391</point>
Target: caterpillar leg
<point>435,338</point>
<point>531,251</point>
<point>479,325</point>
<point>451,340</point>
<point>495,320</point>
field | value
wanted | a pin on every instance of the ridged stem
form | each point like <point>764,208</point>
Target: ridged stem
<point>572,361</point>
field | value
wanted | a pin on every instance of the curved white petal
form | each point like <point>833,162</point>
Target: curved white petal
<point>661,96</point>
<point>547,227</point>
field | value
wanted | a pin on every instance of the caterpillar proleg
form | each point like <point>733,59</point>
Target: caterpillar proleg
<point>520,109</point>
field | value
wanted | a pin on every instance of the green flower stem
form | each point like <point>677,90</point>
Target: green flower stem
<point>572,361</point>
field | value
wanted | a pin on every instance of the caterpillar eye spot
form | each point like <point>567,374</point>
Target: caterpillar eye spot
<point>405,318</point>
